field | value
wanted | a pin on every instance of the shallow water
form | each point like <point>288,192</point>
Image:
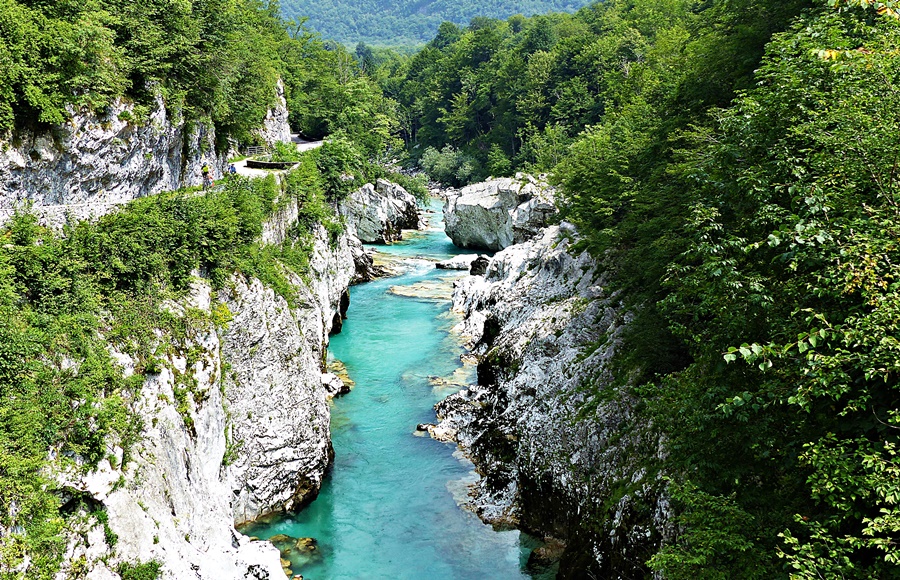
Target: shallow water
<point>387,508</point>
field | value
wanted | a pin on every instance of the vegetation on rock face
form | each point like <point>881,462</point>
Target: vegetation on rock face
<point>735,164</point>
<point>65,298</point>
<point>214,61</point>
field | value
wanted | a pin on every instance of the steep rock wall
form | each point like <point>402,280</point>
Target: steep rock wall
<point>97,161</point>
<point>543,326</point>
<point>235,425</point>
<point>279,429</point>
<point>275,127</point>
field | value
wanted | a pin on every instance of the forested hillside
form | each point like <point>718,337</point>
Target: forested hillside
<point>210,60</point>
<point>734,166</point>
<point>407,22</point>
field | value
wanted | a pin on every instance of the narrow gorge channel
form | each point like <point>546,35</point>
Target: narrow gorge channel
<point>389,507</point>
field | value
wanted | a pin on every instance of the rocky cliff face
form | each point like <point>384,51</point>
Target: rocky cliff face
<point>499,212</point>
<point>279,428</point>
<point>379,213</point>
<point>95,162</point>
<point>275,125</point>
<point>235,425</point>
<point>542,327</point>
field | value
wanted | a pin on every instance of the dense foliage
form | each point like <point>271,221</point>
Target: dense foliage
<point>734,163</point>
<point>407,22</point>
<point>214,61</point>
<point>65,298</point>
<point>792,269</point>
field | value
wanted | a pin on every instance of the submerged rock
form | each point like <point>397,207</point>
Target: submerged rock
<point>306,545</point>
<point>499,212</point>
<point>340,369</point>
<point>439,289</point>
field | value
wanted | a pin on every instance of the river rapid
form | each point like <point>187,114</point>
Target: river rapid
<point>390,506</point>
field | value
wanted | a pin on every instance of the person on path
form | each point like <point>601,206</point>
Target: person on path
<point>207,178</point>
<point>232,169</point>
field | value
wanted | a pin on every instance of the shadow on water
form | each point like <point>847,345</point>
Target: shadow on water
<point>387,507</point>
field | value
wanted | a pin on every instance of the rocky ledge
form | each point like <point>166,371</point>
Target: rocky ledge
<point>499,212</point>
<point>543,328</point>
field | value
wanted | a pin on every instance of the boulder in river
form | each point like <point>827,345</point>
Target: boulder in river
<point>498,213</point>
<point>333,384</point>
<point>379,213</point>
<point>461,262</point>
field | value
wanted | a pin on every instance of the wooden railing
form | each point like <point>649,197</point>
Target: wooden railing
<point>256,150</point>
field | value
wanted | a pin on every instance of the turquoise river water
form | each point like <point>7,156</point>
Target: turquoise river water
<point>389,506</point>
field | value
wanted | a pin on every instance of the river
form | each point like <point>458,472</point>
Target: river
<point>389,506</point>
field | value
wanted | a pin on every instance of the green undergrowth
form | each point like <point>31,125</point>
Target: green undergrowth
<point>67,297</point>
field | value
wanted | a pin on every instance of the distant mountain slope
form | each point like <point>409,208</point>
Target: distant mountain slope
<point>407,22</point>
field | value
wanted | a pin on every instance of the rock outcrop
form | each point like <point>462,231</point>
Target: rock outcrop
<point>279,427</point>
<point>544,327</point>
<point>275,126</point>
<point>95,162</point>
<point>460,262</point>
<point>379,213</point>
<point>497,213</point>
<point>235,425</point>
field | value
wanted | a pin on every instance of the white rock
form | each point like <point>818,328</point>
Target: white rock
<point>254,437</point>
<point>541,323</point>
<point>275,125</point>
<point>334,385</point>
<point>497,213</point>
<point>93,163</point>
<point>460,262</point>
<point>378,214</point>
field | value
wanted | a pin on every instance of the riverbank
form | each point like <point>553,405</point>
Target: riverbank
<point>391,503</point>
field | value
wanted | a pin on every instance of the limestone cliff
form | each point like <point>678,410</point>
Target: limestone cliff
<point>279,428</point>
<point>97,161</point>
<point>275,126</point>
<point>542,326</point>
<point>235,425</point>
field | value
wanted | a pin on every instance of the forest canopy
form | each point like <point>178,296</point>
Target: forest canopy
<point>734,164</point>
<point>402,23</point>
<point>213,61</point>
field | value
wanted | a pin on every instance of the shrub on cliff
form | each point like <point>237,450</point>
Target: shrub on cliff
<point>65,298</point>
